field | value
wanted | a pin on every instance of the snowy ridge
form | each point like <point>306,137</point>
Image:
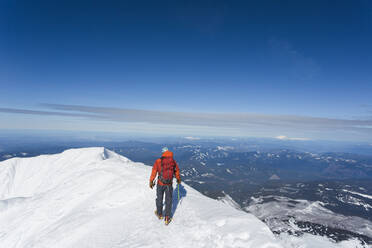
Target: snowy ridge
<point>229,201</point>
<point>93,197</point>
<point>356,193</point>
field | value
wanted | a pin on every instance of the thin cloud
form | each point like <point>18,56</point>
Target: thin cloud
<point>49,113</point>
<point>237,121</point>
<point>208,119</point>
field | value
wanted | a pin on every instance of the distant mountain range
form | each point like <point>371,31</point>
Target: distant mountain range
<point>286,188</point>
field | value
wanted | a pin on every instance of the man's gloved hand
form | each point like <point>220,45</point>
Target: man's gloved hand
<point>178,181</point>
<point>152,184</point>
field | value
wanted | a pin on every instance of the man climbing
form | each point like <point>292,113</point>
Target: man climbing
<point>166,168</point>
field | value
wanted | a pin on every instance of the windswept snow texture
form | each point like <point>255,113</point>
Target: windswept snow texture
<point>95,198</point>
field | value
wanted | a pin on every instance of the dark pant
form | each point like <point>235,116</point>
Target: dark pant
<point>160,191</point>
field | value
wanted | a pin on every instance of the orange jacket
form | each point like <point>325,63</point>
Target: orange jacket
<point>157,168</point>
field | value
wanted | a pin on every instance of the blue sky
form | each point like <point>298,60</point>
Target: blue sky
<point>300,69</point>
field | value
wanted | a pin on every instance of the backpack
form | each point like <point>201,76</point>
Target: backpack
<point>167,169</point>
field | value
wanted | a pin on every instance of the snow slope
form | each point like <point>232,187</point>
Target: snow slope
<point>93,197</point>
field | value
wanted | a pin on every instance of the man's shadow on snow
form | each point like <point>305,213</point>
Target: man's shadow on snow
<point>175,200</point>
